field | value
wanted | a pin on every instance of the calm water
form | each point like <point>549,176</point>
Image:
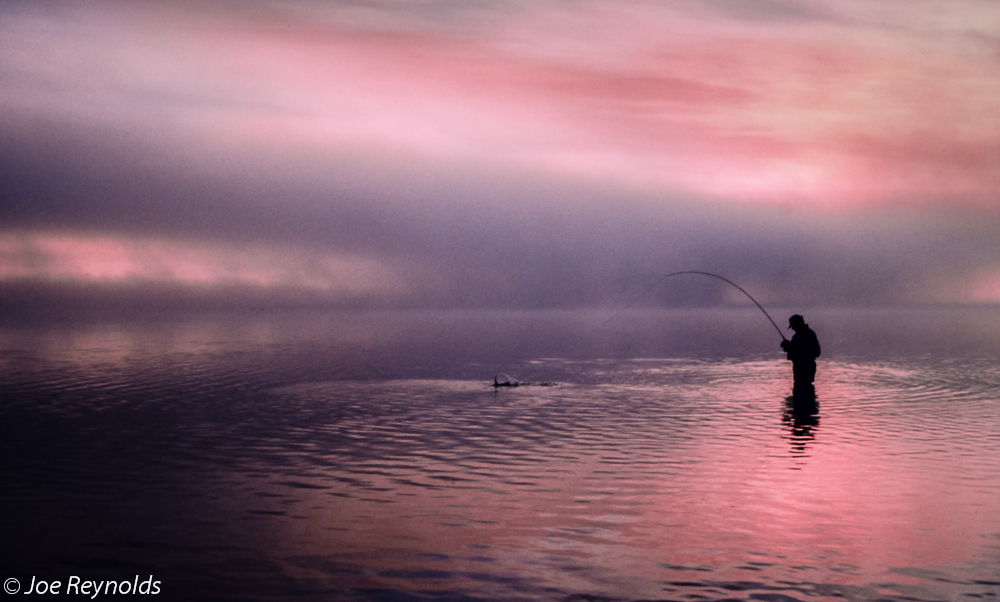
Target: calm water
<point>366,457</point>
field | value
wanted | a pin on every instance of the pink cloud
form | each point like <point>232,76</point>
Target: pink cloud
<point>805,112</point>
<point>831,106</point>
<point>985,288</point>
<point>96,258</point>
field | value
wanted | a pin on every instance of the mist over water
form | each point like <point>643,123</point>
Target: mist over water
<point>495,161</point>
<point>364,456</point>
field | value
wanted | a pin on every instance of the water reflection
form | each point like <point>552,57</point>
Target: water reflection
<point>801,416</point>
<point>312,458</point>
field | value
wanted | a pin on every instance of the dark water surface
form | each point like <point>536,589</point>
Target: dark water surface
<point>362,456</point>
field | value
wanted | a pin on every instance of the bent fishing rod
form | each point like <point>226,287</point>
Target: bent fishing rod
<point>657,283</point>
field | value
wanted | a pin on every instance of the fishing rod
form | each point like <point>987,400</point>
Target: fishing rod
<point>657,283</point>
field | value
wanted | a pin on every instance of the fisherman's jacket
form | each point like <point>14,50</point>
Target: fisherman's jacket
<point>803,346</point>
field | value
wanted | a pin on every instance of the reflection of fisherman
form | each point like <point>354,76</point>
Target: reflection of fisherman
<point>802,349</point>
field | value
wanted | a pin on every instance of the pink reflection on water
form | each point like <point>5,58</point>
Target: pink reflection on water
<point>712,486</point>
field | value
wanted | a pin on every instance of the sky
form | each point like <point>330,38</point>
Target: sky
<point>503,154</point>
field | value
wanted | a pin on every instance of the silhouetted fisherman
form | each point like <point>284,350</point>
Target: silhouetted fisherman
<point>802,350</point>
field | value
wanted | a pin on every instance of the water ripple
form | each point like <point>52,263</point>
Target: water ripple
<point>627,479</point>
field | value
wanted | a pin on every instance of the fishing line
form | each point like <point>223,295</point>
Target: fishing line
<point>657,283</point>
